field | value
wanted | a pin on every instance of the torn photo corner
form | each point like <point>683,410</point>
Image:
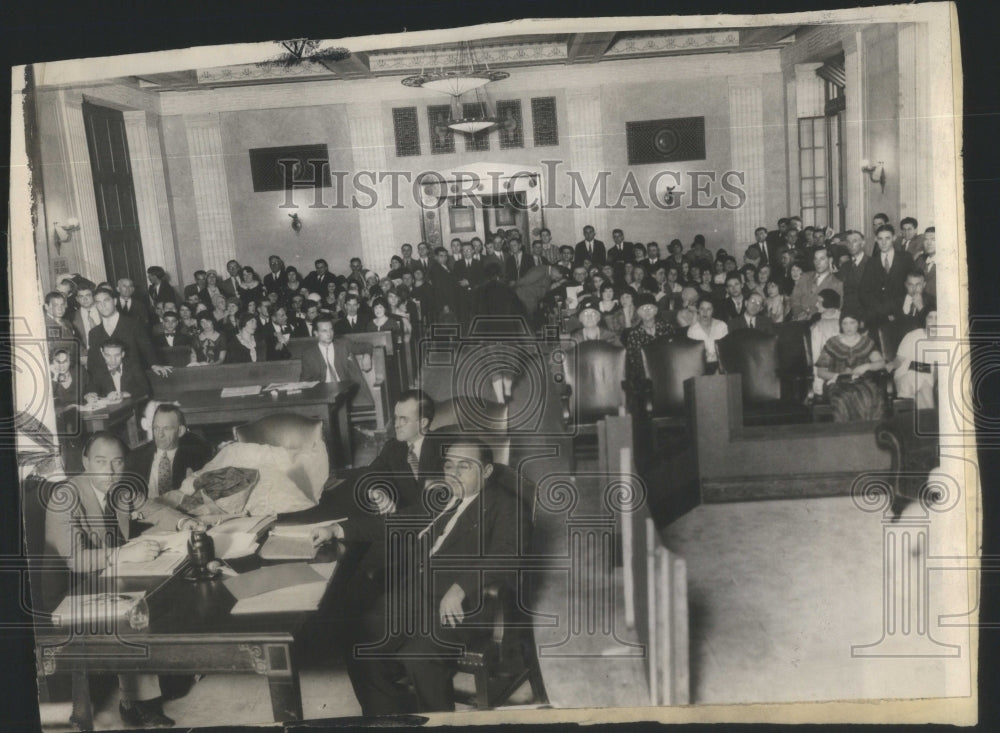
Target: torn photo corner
<point>722,469</point>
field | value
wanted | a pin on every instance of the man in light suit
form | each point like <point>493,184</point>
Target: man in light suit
<point>590,248</point>
<point>86,316</point>
<point>806,292</point>
<point>89,530</point>
<point>173,453</point>
<point>230,286</point>
<point>477,515</point>
<point>332,361</point>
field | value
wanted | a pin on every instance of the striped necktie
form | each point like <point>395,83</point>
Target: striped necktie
<point>413,461</point>
<point>164,475</point>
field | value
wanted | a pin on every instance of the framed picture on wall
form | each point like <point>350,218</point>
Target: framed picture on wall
<point>278,169</point>
<point>505,216</point>
<point>462,218</point>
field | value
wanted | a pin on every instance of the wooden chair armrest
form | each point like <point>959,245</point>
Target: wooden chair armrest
<point>494,607</point>
<point>378,365</point>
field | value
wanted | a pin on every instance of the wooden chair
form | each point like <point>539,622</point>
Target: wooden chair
<point>754,356</point>
<point>668,364</point>
<point>594,387</point>
<point>502,663</point>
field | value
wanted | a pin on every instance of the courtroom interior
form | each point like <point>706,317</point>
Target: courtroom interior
<point>649,308</point>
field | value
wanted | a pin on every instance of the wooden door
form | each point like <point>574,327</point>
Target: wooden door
<point>114,193</point>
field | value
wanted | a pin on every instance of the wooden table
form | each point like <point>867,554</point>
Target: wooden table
<point>207,407</point>
<point>107,418</point>
<point>191,631</point>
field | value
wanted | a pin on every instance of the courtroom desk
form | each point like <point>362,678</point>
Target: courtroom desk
<point>110,417</point>
<point>191,631</point>
<point>208,407</point>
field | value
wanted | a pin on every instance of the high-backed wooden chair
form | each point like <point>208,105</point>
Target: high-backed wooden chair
<point>754,356</point>
<point>669,363</point>
<point>594,387</point>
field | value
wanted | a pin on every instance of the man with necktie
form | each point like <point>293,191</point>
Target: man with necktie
<point>173,453</point>
<point>131,306</point>
<point>474,514</point>
<point>353,321</point>
<point>166,336</point>
<point>331,360</point>
<point>58,331</point>
<point>883,284</point>
<point>926,261</point>
<point>916,303</point>
<point>590,248</point>
<point>89,531</point>
<point>117,377</point>
<point>86,316</point>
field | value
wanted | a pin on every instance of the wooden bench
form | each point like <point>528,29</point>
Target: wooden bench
<point>217,376</point>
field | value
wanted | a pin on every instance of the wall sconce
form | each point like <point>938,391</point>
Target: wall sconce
<point>296,223</point>
<point>64,232</point>
<point>871,170</point>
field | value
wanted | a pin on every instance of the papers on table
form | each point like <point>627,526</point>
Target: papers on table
<point>96,406</point>
<point>289,386</point>
<point>293,541</point>
<point>253,389</point>
<point>162,565</point>
<point>269,578</point>
<point>96,607</point>
<point>302,597</point>
<point>244,525</point>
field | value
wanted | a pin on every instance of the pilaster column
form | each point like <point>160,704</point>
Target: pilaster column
<point>81,178</point>
<point>378,243</point>
<point>857,212</point>
<point>586,157</point>
<point>916,196</point>
<point>144,181</point>
<point>746,139</point>
<point>211,194</point>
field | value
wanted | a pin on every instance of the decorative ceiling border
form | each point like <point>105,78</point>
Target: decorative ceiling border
<point>398,61</point>
<point>253,72</point>
<point>674,42</point>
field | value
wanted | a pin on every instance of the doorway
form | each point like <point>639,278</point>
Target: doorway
<point>114,193</point>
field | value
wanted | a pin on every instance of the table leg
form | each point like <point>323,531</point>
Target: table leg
<point>286,697</point>
<point>344,436</point>
<point>83,711</point>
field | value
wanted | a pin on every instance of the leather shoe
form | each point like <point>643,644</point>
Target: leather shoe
<point>144,714</point>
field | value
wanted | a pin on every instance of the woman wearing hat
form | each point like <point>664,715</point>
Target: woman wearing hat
<point>591,328</point>
<point>650,327</point>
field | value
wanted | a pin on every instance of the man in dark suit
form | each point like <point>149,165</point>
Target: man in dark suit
<point>353,321</point>
<point>916,304</point>
<point>275,280</point>
<point>163,463</point>
<point>160,291</point>
<point>883,285</point>
<point>332,360</point>
<point>621,251</point>
<point>468,271</point>
<point>776,237</point>
<point>199,284</point>
<point>474,514</point>
<point>734,302</point>
<point>767,252</point>
<point>517,263</point>
<point>131,306</point>
<point>926,261</point>
<point>116,375</point>
<point>852,271</point>
<point>230,286</point>
<point>277,333</point>
<point>753,316</point>
<point>319,279</point>
<point>445,300</point>
<point>168,336</point>
<point>590,248</point>
<point>123,328</point>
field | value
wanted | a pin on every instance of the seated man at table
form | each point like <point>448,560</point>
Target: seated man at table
<point>478,519</point>
<point>118,377</point>
<point>167,336</point>
<point>332,360</point>
<point>173,453</point>
<point>88,527</point>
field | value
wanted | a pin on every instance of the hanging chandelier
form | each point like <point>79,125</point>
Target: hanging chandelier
<point>462,78</point>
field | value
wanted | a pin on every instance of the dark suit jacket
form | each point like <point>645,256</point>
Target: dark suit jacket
<point>317,284</point>
<point>882,291</point>
<point>907,322</point>
<point>471,271</point>
<point>192,453</point>
<point>314,366</point>
<point>444,293</point>
<point>762,322</point>
<point>342,327</point>
<point>229,287</point>
<point>599,257</point>
<point>237,353</point>
<point>930,274</point>
<point>513,272</point>
<point>160,340</point>
<point>138,309</point>
<point>132,333</point>
<point>272,283</point>
<point>852,275</point>
<point>623,254</point>
<point>729,311</point>
<point>163,293</point>
<point>274,350</point>
<point>133,380</point>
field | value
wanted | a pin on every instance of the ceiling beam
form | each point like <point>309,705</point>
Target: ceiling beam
<point>354,66</point>
<point>583,48</point>
<point>765,36</point>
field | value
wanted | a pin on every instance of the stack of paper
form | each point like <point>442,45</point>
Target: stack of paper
<point>96,607</point>
<point>241,391</point>
<point>302,597</point>
<point>239,537</point>
<point>289,386</point>
<point>293,541</point>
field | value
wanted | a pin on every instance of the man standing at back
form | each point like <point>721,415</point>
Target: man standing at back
<point>883,285</point>
<point>590,248</point>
